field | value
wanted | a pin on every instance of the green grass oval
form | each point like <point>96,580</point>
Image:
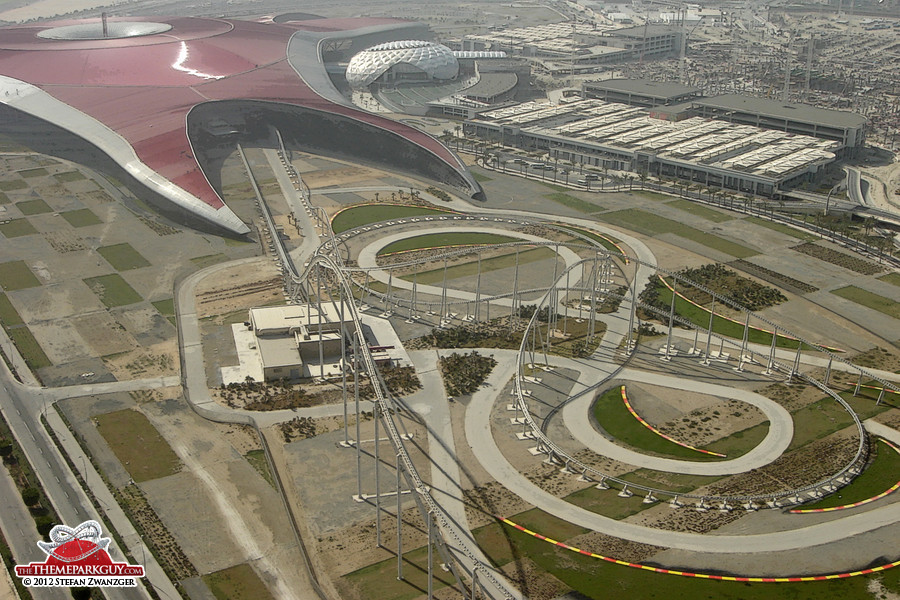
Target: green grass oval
<point>614,418</point>
<point>443,240</point>
<point>356,216</point>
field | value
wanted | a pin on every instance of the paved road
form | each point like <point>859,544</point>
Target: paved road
<point>432,404</point>
<point>22,409</point>
<point>781,428</point>
<point>21,536</point>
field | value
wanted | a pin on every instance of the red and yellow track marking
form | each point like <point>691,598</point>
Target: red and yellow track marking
<point>891,490</point>
<point>660,433</point>
<point>875,387</point>
<point>878,569</point>
<point>720,316</point>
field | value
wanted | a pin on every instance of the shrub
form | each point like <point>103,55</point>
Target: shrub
<point>31,496</point>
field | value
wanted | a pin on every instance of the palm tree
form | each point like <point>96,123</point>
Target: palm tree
<point>643,177</point>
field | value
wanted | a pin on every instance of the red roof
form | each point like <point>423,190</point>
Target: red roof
<point>143,87</point>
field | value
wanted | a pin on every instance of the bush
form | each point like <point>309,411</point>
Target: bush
<point>44,524</point>
<point>464,373</point>
<point>526,311</point>
<point>31,496</point>
<point>438,193</point>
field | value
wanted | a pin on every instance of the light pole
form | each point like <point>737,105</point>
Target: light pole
<point>828,197</point>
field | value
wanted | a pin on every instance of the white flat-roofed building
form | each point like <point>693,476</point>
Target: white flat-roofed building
<point>300,340</point>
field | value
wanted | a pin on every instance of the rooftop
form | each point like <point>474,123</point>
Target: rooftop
<point>274,318</point>
<point>641,31</point>
<point>661,89</point>
<point>784,110</point>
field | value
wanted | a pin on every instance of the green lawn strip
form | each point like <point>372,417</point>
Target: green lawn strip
<point>356,216</point>
<point>37,172</point>
<point>699,210</point>
<point>81,217</point>
<point>239,582</point>
<point>570,201</point>
<point>598,579</point>
<point>881,474</point>
<point>165,307</point>
<point>652,224</point>
<point>4,199</point>
<point>606,503</point>
<point>123,257</point>
<point>208,260</point>
<point>69,176</point>
<point>13,184</point>
<point>8,313</point>
<point>700,316</point>
<point>480,177</point>
<point>612,415</point>
<point>33,207</point>
<point>17,228</point>
<point>29,347</point>
<point>257,459</point>
<point>443,240</point>
<point>490,264</point>
<point>824,417</point>
<point>496,542</point>
<point>380,581</point>
<point>609,504</point>
<point>781,228</point>
<point>892,278</point>
<point>607,241</point>
<point>113,290</point>
<point>15,275</point>
<point>869,299</point>
<point>138,445</point>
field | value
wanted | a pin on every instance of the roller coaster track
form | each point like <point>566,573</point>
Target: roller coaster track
<point>451,541</point>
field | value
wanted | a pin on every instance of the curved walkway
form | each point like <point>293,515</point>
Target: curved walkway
<point>781,429</point>
<point>480,437</point>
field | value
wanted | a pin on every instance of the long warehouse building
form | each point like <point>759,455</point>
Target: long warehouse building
<point>616,136</point>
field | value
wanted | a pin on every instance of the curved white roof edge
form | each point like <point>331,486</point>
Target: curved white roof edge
<point>38,103</point>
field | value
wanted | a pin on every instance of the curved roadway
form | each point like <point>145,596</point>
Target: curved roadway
<point>781,429</point>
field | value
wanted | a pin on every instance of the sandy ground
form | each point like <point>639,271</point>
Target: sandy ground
<point>237,288</point>
<point>50,8</point>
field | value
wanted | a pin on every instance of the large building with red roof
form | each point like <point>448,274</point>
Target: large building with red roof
<point>145,91</point>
